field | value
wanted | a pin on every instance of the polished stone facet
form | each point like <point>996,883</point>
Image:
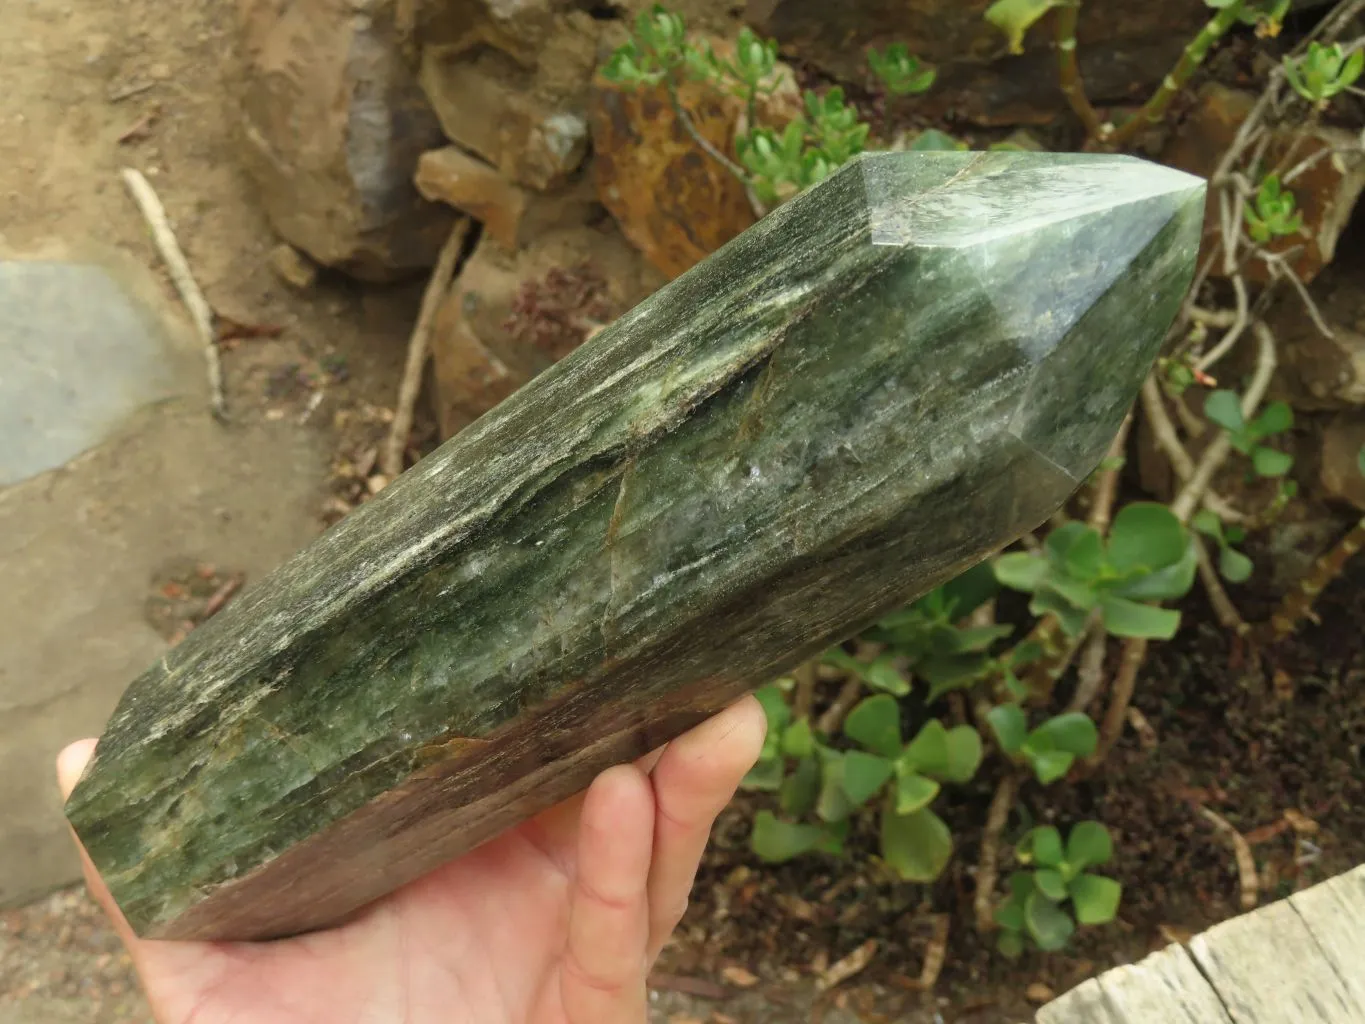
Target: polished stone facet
<point>878,385</point>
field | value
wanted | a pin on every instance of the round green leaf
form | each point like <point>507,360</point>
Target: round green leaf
<point>1088,845</point>
<point>1225,409</point>
<point>833,804</point>
<point>864,775</point>
<point>1072,732</point>
<point>1010,725</point>
<point>875,724</point>
<point>801,788</point>
<point>1020,570</point>
<point>777,841</point>
<point>775,707</point>
<point>1010,914</point>
<point>964,754</point>
<point>883,675</point>
<point>1164,584</point>
<point>1145,535</point>
<point>928,751</point>
<point>1049,924</point>
<point>1235,566</point>
<point>1095,898</point>
<point>1050,883</point>
<point>1010,944</point>
<point>913,792</point>
<point>1051,765</point>
<point>1123,617</point>
<point>916,846</point>
<point>1072,618</point>
<point>1269,462</point>
<point>1276,419</point>
<point>798,740</point>
<point>1015,17</point>
<point>1207,522</point>
<point>1041,846</point>
<point>765,776</point>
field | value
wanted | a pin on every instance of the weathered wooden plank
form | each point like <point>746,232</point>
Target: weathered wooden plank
<point>1269,969</point>
<point>1334,912</point>
<point>1165,987</point>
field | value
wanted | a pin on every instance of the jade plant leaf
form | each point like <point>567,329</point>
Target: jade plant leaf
<point>875,724</point>
<point>917,846</point>
<point>1095,898</point>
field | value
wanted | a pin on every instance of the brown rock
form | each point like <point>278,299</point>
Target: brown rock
<point>333,122</point>
<point>674,202</point>
<point>1317,371</point>
<point>1326,193</point>
<point>521,108</point>
<point>1339,470</point>
<point>1125,50</point>
<point>293,267</point>
<point>510,214</point>
<point>511,315</point>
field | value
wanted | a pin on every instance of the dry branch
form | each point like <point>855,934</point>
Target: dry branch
<point>391,464</point>
<point>201,314</point>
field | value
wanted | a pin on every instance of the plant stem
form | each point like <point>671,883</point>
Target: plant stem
<point>1228,615</point>
<point>988,868</point>
<point>805,689</point>
<point>1155,108</point>
<point>1107,486</point>
<point>685,119</point>
<point>1297,605</point>
<point>1192,494</point>
<point>1090,672</point>
<point>1125,682</point>
<point>834,715</point>
<point>1069,72</point>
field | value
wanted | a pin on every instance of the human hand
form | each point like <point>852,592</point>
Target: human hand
<point>555,922</point>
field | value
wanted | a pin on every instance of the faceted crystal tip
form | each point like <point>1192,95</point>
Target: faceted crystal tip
<point>1085,259</point>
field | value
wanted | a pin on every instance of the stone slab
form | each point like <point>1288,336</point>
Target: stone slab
<point>110,468</point>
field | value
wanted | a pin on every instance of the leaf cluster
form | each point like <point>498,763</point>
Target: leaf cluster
<point>1036,911</point>
<point>1148,557</point>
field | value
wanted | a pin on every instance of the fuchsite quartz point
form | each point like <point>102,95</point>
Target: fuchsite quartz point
<point>880,384</point>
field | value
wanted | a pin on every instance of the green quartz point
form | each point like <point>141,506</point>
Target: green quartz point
<point>880,384</point>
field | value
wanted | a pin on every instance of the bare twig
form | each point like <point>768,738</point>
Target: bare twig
<point>685,119</point>
<point>1090,672</point>
<point>1297,605</point>
<point>201,314</point>
<point>1107,486</point>
<point>391,463</point>
<point>1163,430</point>
<point>1217,452</point>
<point>223,594</point>
<point>1125,682</point>
<point>1280,268</point>
<point>1068,71</point>
<point>935,953</point>
<point>834,715</point>
<point>988,868</point>
<point>805,676</point>
<point>1250,885</point>
<point>1228,615</point>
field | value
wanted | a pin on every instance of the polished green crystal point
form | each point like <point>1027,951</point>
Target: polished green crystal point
<point>884,381</point>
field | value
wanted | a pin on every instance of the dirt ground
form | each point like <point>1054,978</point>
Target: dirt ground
<point>99,84</point>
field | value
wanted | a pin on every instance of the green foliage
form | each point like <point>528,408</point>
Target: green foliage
<point>1035,910</point>
<point>657,48</point>
<point>1265,15</point>
<point>1148,557</point>
<point>776,163</point>
<point>1050,749</point>
<point>1015,17</point>
<point>1225,409</point>
<point>1272,213</point>
<point>899,72</point>
<point>1324,72</point>
<point>832,783</point>
<point>1235,566</point>
<point>931,140</point>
